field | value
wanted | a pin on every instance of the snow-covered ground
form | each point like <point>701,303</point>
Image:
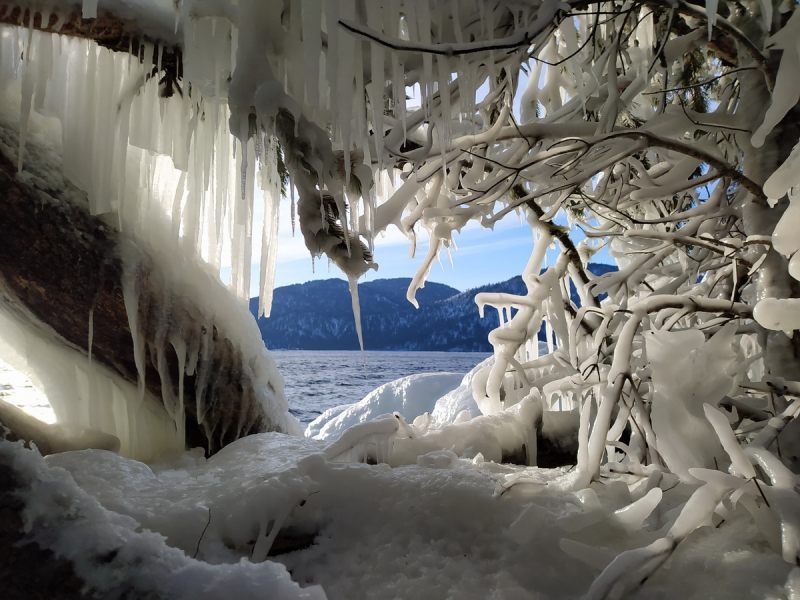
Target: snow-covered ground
<point>470,530</point>
<point>445,527</point>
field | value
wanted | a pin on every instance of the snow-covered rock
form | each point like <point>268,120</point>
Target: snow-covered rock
<point>411,396</point>
<point>128,532</point>
<point>454,402</point>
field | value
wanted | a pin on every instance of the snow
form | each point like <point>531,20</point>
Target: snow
<point>412,396</point>
<point>108,548</point>
<point>437,529</point>
<point>452,404</point>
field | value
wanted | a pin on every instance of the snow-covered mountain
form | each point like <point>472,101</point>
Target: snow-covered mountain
<point>318,315</point>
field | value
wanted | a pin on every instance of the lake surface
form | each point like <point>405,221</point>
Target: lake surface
<point>319,380</point>
<point>316,380</point>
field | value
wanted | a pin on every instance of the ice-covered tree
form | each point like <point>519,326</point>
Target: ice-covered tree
<point>664,131</point>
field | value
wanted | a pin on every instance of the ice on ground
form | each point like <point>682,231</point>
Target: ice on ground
<point>445,528</point>
<point>454,402</point>
<point>411,396</point>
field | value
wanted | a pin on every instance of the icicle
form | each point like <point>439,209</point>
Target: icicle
<point>269,242</point>
<point>28,85</point>
<point>443,124</point>
<point>377,82</point>
<point>711,14</point>
<point>44,58</point>
<point>248,248</point>
<point>312,49</point>
<point>91,332</point>
<point>293,208</point>
<point>345,85</point>
<point>353,284</point>
<point>180,346</point>
<point>130,293</point>
<point>332,62</point>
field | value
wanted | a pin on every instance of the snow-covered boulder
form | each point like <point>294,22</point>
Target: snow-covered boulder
<point>411,396</point>
<point>454,402</point>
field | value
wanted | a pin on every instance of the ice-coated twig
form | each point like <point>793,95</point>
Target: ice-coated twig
<point>200,539</point>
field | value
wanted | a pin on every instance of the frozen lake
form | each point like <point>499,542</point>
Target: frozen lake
<point>318,380</point>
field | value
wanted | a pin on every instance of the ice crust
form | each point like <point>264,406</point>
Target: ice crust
<point>416,524</point>
<point>137,174</point>
<point>412,396</point>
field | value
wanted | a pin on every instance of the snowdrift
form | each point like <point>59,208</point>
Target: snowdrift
<point>456,529</point>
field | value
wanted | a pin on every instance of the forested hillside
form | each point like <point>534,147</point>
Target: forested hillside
<point>318,316</point>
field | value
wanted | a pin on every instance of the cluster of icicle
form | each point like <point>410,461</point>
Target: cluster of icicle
<point>678,370</point>
<point>147,155</point>
<point>161,165</point>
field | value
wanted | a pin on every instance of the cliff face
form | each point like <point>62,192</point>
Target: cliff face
<point>318,316</point>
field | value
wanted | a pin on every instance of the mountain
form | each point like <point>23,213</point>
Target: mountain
<point>318,315</point>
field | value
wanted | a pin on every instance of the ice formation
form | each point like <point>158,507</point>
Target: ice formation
<point>87,396</point>
<point>412,396</point>
<point>430,529</point>
<point>688,372</point>
<point>628,131</point>
<point>165,184</point>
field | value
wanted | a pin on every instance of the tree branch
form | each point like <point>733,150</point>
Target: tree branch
<point>723,168</point>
